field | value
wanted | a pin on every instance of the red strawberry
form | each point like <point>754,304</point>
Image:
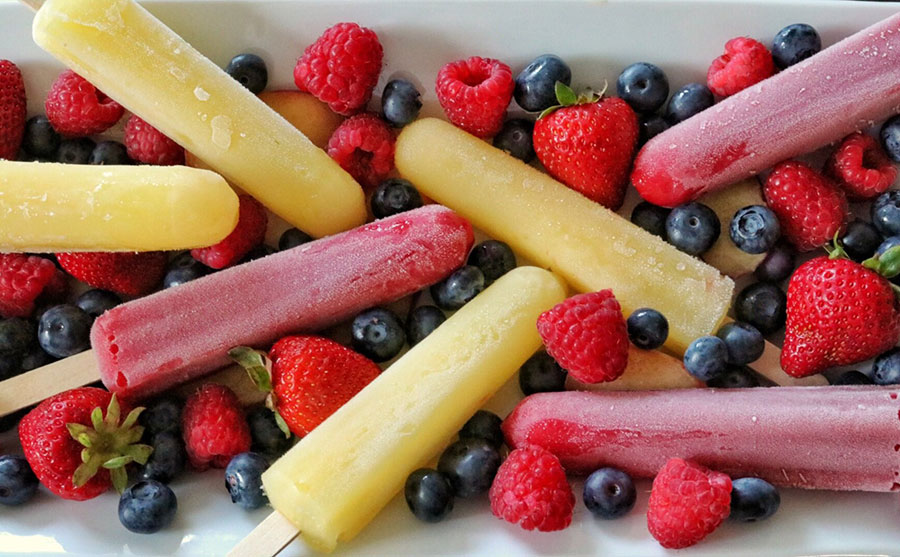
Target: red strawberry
<point>588,144</point>
<point>214,427</point>
<point>12,110</point>
<point>861,168</point>
<point>75,450</point>
<point>23,278</point>
<point>249,232</point>
<point>129,273</point>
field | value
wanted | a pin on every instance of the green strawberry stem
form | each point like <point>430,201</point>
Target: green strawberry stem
<point>887,264</point>
<point>259,367</point>
<point>566,96</point>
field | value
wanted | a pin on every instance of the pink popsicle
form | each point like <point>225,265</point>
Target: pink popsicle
<point>152,343</point>
<point>836,438</point>
<point>844,88</point>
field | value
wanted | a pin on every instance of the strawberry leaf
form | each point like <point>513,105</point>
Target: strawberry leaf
<point>282,425</point>
<point>565,96</point>
<point>257,365</point>
<point>117,462</point>
<point>119,478</point>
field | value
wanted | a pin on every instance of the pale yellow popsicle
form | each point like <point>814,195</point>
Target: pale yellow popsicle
<point>648,370</point>
<point>724,255</point>
<point>49,207</point>
<point>337,478</point>
<point>132,57</point>
<point>590,246</point>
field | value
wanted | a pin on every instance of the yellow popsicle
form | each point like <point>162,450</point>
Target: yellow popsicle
<point>648,370</point>
<point>724,255</point>
<point>48,207</point>
<point>132,57</point>
<point>590,246</point>
<point>337,478</point>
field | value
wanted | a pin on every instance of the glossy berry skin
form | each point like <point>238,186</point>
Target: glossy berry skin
<point>483,425</point>
<point>754,229</point>
<point>395,195</point>
<point>648,329</point>
<point>213,427</point>
<point>860,167</point>
<point>162,415</point>
<point>745,62</point>
<point>95,301</point>
<point>706,358</point>
<point>541,374</point>
<point>692,228</point>
<point>687,101</point>
<point>428,494</point>
<point>753,499</point>
<point>531,490</point>
<point>515,137</point>
<point>40,139</point>
<point>494,258</point>
<point>292,238</point>
<point>110,153</point>
<point>183,268</point>
<point>860,240</point>
<point>64,331</point>
<point>609,493</point>
<point>778,264</point>
<point>886,369</point>
<point>795,43</point>
<point>250,71</point>
<point>475,93</point>
<point>734,377</point>
<point>459,288</point>
<point>18,484</point>
<point>887,244</point>
<point>644,86</point>
<point>147,507</point>
<point>535,84</point>
<point>886,213</point>
<point>853,377</point>
<point>470,465</point>
<point>167,460</point>
<point>378,334</point>
<point>400,102</point>
<point>364,146</point>
<point>75,151</point>
<point>267,437</point>
<point>244,482</point>
<point>763,305</point>
<point>890,137</point>
<point>650,126</point>
<point>744,342</point>
<point>651,218</point>
<point>422,322</point>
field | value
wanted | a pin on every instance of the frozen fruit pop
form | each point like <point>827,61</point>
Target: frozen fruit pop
<point>836,438</point>
<point>844,88</point>
<point>48,207</point>
<point>647,370</point>
<point>121,48</point>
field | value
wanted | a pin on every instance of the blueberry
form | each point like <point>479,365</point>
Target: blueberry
<point>400,102</point>
<point>743,341</point>
<point>243,480</point>
<point>515,138</point>
<point>795,43</point>
<point>541,374</point>
<point>706,358</point>
<point>609,493</point>
<point>167,460</point>
<point>470,465</point>
<point>886,369</point>
<point>890,137</point>
<point>753,499</point>
<point>778,264</point>
<point>651,218</point>
<point>18,483</point>
<point>536,84</point>
<point>10,365</point>
<point>461,286</point>
<point>853,377</point>
<point>162,415</point>
<point>687,101</point>
<point>110,153</point>
<point>734,377</point>
<point>17,336</point>
<point>887,244</point>
<point>763,305</point>
<point>64,331</point>
<point>292,238</point>
<point>378,334</point>
<point>693,228</point>
<point>257,252</point>
<point>647,328</point>
<point>422,321</point>
<point>860,240</point>
<point>250,71</point>
<point>394,195</point>
<point>40,139</point>
<point>10,421</point>
<point>483,425</point>
<point>264,431</point>
<point>644,86</point>
<point>95,301</point>
<point>494,258</point>
<point>886,213</point>
<point>183,268</point>
<point>428,494</point>
<point>75,151</point>
<point>147,507</point>
<point>754,229</point>
<point>36,358</point>
<point>650,125</point>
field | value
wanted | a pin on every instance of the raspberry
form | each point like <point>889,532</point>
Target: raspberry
<point>214,427</point>
<point>148,145</point>
<point>687,502</point>
<point>861,167</point>
<point>341,67</point>
<point>531,490</point>
<point>474,94</point>
<point>364,146</point>
<point>22,279</point>
<point>76,108</point>
<point>12,110</point>
<point>249,233</point>
<point>128,273</point>
<point>745,63</point>
<point>586,334</point>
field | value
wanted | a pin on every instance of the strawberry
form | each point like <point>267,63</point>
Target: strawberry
<point>12,110</point>
<point>75,450</point>
<point>588,143</point>
<point>133,274</point>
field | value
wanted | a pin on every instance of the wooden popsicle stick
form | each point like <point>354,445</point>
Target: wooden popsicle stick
<point>269,537</point>
<point>34,386</point>
<point>33,4</point>
<point>769,366</point>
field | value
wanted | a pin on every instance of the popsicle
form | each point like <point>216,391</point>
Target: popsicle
<point>337,478</point>
<point>846,87</point>
<point>46,207</point>
<point>131,56</point>
<point>835,438</point>
<point>588,245</point>
<point>647,370</point>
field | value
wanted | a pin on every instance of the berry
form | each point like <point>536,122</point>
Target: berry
<point>890,138</point>
<point>167,460</point>
<point>457,289</point>
<point>693,228</point>
<point>265,433</point>
<point>535,86</point>
<point>341,68</point>
<point>609,493</point>
<point>746,62</point>
<point>494,258</point>
<point>250,71</point>
<point>651,218</point>
<point>18,484</point>
<point>474,94</point>
<point>76,108</point>
<point>887,244</point>
<point>148,145</point>
<point>706,357</point>
<point>483,425</point>
<point>147,507</point>
<point>257,252</point>
<point>853,377</point>
<point>754,229</point>
<point>244,482</point>
<point>687,502</point>
<point>886,213</point>
<point>422,322</point>
<point>378,334</point>
<point>734,377</point>
<point>644,86</point>
<point>648,329</point>
<point>131,274</point>
<point>183,268</point>
<point>860,240</point>
<point>364,146</point>
<point>428,494</point>
<point>249,232</point>
<point>109,153</point>
<point>76,150</point>
<point>795,43</point>
<point>650,126</point>
<point>95,301</point>
<point>22,279</point>
<point>531,490</point>
<point>394,195</point>
<point>470,466</point>
<point>763,305</point>
<point>860,167</point>
<point>400,102</point>
<point>541,374</point>
<point>12,110</point>
<point>17,336</point>
<point>744,342</point>
<point>753,499</point>
<point>886,369</point>
<point>36,358</point>
<point>515,137</point>
<point>162,415</point>
<point>688,101</point>
<point>778,264</point>
<point>292,238</point>
<point>40,139</point>
<point>213,427</point>
<point>64,331</point>
<point>10,365</point>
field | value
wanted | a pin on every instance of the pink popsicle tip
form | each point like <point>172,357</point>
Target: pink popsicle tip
<point>656,184</point>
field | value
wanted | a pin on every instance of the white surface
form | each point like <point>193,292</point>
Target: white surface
<point>598,40</point>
